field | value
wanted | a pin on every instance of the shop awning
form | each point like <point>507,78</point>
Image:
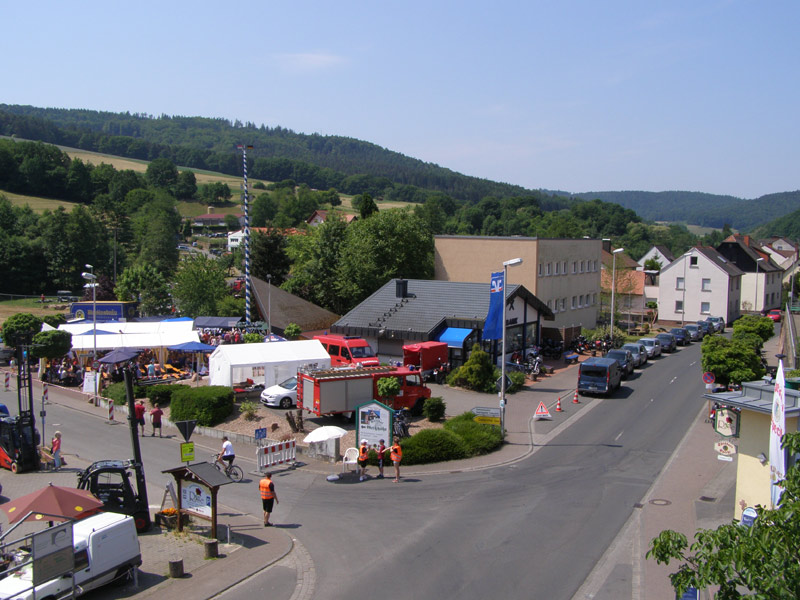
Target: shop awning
<point>454,336</point>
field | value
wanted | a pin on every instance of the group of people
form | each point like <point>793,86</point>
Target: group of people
<point>155,417</point>
<point>217,337</point>
<point>395,455</point>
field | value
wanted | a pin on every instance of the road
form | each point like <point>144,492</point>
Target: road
<point>532,529</point>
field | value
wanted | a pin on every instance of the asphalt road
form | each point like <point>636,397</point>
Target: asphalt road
<point>533,529</point>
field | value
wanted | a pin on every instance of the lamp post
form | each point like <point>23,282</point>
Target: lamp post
<point>755,300</point>
<point>613,286</point>
<point>92,279</point>
<point>269,307</point>
<point>506,264</point>
<point>683,302</point>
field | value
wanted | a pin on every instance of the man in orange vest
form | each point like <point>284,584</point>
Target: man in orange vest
<point>396,453</point>
<point>268,496</point>
<point>363,458</point>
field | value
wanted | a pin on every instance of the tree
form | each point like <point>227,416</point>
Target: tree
<point>268,254</point>
<point>20,328</point>
<point>51,344</point>
<point>761,559</point>
<point>229,306</point>
<point>186,186</point>
<point>367,206</point>
<point>292,331</point>
<point>144,283</point>
<point>652,264</point>
<point>730,360</point>
<point>231,222</point>
<point>161,173</point>
<point>388,389</point>
<point>763,327</point>
<point>199,286</point>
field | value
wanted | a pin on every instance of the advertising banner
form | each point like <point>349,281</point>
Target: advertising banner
<point>374,423</point>
<point>493,326</point>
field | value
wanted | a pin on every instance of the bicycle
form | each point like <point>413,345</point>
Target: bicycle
<point>233,472</point>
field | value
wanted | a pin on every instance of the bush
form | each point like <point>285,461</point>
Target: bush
<point>434,409</point>
<point>478,373</point>
<point>763,327</point>
<point>209,405</point>
<point>433,445</point>
<point>517,381</point>
<point>479,438</point>
<point>249,409</point>
<point>159,394</point>
<point>116,393</point>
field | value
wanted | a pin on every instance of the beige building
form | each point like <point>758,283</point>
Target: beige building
<point>562,273</point>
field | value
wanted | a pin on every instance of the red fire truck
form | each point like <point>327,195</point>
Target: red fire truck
<point>337,391</point>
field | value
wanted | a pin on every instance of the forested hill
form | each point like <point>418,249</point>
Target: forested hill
<point>708,210</point>
<point>347,164</point>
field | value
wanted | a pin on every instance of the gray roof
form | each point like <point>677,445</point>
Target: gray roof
<point>757,396</point>
<point>723,263</point>
<point>285,308</point>
<point>428,307</point>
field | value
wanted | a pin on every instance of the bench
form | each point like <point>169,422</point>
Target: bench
<point>571,358</point>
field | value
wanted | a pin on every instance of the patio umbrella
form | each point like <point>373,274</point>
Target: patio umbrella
<point>323,434</point>
<point>118,355</point>
<point>193,347</point>
<point>52,503</point>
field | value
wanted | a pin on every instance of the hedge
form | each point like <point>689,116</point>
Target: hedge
<point>433,445</point>
<point>208,405</point>
<point>161,394</point>
<point>479,438</point>
<point>116,393</point>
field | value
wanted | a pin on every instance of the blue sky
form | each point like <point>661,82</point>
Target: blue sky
<point>576,95</point>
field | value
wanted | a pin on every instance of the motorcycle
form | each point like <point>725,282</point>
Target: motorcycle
<point>533,367</point>
<point>401,423</point>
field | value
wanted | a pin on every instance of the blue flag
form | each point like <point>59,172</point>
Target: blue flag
<point>493,326</point>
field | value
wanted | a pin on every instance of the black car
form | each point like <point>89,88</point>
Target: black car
<point>668,342</point>
<point>707,327</point>
<point>625,360</point>
<point>681,335</point>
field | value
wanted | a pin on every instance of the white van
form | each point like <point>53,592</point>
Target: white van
<point>106,549</point>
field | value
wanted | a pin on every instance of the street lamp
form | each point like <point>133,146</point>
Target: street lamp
<point>755,300</point>
<point>92,279</point>
<point>506,264</point>
<point>613,286</point>
<point>683,302</point>
<point>269,307</point>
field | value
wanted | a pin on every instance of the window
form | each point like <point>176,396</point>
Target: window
<point>574,266</point>
<point>582,262</point>
<point>594,299</point>
<point>580,300</point>
<point>550,304</point>
<point>706,284</point>
<point>680,284</point>
<point>563,304</point>
<point>574,302</point>
<point>547,269</point>
<point>678,306</point>
<point>705,307</point>
<point>692,261</point>
<point>541,269</point>
<point>557,265</point>
<point>81,560</point>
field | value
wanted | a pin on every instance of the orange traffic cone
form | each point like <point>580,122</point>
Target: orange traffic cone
<point>558,405</point>
<point>575,399</point>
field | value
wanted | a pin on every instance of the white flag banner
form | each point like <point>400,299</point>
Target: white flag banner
<point>777,463</point>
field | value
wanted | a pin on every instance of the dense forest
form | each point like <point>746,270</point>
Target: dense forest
<point>707,210</point>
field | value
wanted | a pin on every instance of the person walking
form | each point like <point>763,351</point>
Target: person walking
<point>155,418</point>
<point>396,453</point>
<point>55,449</point>
<point>139,411</point>
<point>268,496</point>
<point>363,458</point>
<point>381,452</point>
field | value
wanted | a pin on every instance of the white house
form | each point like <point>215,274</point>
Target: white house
<point>700,283</point>
<point>659,253</point>
<point>761,282</point>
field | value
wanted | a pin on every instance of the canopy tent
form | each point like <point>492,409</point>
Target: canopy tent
<point>123,327</point>
<point>216,322</point>
<point>193,347</point>
<point>82,343</point>
<point>118,355</point>
<point>268,363</point>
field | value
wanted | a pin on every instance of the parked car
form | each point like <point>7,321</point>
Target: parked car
<point>668,342</point>
<point>694,331</point>
<point>283,394</point>
<point>718,322</point>
<point>707,327</point>
<point>682,336</point>
<point>775,315</point>
<point>652,345</point>
<point>638,351</point>
<point>625,360</point>
<point>599,376</point>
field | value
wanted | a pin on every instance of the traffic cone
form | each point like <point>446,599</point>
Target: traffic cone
<point>558,405</point>
<point>575,399</point>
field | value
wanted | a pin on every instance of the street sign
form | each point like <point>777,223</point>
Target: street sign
<point>485,411</point>
<point>487,420</point>
<point>499,383</point>
<point>541,412</point>
<point>726,422</point>
<point>187,452</point>
<point>749,515</point>
<point>186,428</point>
<point>708,377</point>
<point>725,448</point>
<point>261,433</point>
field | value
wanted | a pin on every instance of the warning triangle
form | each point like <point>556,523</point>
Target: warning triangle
<point>541,412</point>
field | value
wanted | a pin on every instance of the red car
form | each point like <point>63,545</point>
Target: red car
<point>775,315</point>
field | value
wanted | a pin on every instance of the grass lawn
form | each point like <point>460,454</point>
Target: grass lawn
<point>32,306</point>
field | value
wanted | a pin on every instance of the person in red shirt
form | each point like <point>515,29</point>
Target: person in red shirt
<point>55,448</point>
<point>155,418</point>
<point>139,414</point>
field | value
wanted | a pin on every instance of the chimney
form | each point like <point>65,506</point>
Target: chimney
<point>401,288</point>
<point>209,210</point>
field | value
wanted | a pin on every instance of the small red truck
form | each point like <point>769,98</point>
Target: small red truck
<point>348,350</point>
<point>429,358</point>
<point>337,391</point>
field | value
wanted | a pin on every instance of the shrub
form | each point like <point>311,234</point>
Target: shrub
<point>434,409</point>
<point>159,394</point>
<point>209,405</point>
<point>517,381</point>
<point>479,438</point>
<point>763,327</point>
<point>433,445</point>
<point>116,393</point>
<point>249,409</point>
<point>478,373</point>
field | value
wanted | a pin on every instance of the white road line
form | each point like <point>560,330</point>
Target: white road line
<point>619,436</point>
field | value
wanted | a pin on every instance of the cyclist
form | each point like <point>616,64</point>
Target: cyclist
<point>226,455</point>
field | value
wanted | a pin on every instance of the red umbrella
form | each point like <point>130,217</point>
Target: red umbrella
<point>53,503</point>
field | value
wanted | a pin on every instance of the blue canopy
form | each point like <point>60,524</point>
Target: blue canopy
<point>454,336</point>
<point>98,331</point>
<point>193,347</point>
<point>118,355</point>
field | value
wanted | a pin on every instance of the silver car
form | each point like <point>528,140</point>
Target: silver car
<point>717,322</point>
<point>694,331</point>
<point>652,345</point>
<point>638,351</point>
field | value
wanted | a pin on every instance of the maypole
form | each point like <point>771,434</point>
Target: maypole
<point>246,237</point>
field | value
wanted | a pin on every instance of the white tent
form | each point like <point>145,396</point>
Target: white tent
<point>268,363</point>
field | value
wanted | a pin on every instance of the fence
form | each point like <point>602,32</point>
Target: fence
<point>276,453</point>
